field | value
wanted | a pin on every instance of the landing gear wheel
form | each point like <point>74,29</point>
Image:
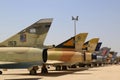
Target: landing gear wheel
<point>64,67</point>
<point>58,68</point>
<point>0,72</point>
<point>33,72</point>
<point>73,66</point>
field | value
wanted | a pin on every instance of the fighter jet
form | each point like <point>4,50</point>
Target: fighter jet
<point>94,56</point>
<point>87,49</point>
<point>66,53</point>
<point>112,57</point>
<point>25,49</point>
<point>100,57</point>
<point>70,53</point>
<point>90,45</point>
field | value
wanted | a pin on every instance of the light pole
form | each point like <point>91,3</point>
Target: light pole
<point>75,19</point>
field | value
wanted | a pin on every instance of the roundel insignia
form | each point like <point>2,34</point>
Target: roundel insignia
<point>23,37</point>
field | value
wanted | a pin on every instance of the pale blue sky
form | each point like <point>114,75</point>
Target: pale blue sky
<point>100,18</point>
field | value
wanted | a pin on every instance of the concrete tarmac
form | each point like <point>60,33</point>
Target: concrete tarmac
<point>110,72</point>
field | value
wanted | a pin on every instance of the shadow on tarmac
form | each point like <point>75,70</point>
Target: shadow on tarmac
<point>53,73</point>
<point>25,79</point>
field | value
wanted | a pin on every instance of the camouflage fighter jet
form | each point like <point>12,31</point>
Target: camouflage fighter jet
<point>25,49</point>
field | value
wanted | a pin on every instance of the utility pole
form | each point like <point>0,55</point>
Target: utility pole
<point>75,19</point>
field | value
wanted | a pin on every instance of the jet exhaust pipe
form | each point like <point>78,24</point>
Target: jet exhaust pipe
<point>45,55</point>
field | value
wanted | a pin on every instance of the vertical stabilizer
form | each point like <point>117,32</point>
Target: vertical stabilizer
<point>32,36</point>
<point>74,42</point>
<point>98,46</point>
<point>79,41</point>
<point>67,44</point>
<point>113,56</point>
<point>90,45</point>
<point>105,51</point>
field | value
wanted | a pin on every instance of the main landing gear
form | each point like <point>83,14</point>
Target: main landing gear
<point>59,68</point>
<point>33,71</point>
<point>44,70</point>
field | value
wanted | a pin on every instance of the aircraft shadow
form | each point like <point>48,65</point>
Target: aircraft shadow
<point>53,73</point>
<point>25,79</point>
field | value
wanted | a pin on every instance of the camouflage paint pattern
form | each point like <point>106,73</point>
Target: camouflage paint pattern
<point>68,52</point>
<point>90,45</point>
<point>79,41</point>
<point>20,54</point>
<point>74,42</point>
<point>32,36</point>
<point>65,56</point>
<point>88,48</point>
<point>19,48</point>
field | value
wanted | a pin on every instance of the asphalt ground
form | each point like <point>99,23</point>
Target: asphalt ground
<point>109,72</point>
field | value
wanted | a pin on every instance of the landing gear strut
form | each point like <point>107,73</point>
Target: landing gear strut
<point>44,70</point>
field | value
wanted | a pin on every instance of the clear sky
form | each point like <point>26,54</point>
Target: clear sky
<point>100,18</point>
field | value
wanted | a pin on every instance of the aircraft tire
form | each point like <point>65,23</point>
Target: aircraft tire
<point>58,68</point>
<point>95,64</point>
<point>81,65</point>
<point>73,66</point>
<point>64,67</point>
<point>33,72</point>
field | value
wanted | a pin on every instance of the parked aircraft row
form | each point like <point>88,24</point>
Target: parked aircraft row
<point>26,50</point>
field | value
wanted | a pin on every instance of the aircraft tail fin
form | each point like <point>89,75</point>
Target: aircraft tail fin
<point>79,41</point>
<point>32,36</point>
<point>113,56</point>
<point>105,51</point>
<point>67,44</point>
<point>90,45</point>
<point>74,42</point>
<point>98,46</point>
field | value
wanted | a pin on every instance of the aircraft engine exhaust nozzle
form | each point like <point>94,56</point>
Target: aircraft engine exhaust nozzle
<point>45,55</point>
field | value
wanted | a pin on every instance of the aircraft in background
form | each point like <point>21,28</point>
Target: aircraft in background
<point>94,56</point>
<point>70,52</point>
<point>112,57</point>
<point>87,49</point>
<point>100,57</point>
<point>66,53</point>
<point>98,46</point>
<point>25,49</point>
<point>90,45</point>
<point>75,42</point>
